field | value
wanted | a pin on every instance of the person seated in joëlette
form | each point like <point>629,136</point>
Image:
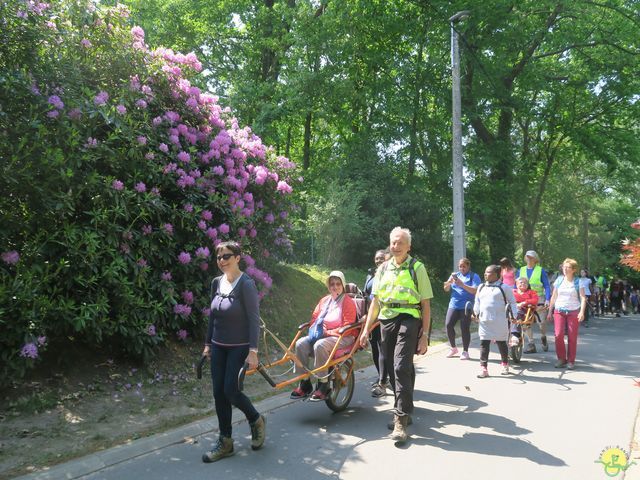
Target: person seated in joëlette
<point>332,312</point>
<point>525,298</point>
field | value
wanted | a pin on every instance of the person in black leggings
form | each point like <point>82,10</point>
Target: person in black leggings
<point>232,341</point>
<point>378,389</point>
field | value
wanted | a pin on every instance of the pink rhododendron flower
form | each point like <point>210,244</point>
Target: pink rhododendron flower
<point>163,147</point>
<point>53,114</point>
<point>182,310</point>
<point>151,330</point>
<point>166,276</point>
<point>187,296</point>
<point>29,350</point>
<point>141,104</point>
<point>42,340</point>
<point>91,143</point>
<point>284,187</point>
<point>203,252</point>
<point>224,228</point>
<point>140,187</point>
<point>101,98</point>
<point>85,43</point>
<point>206,215</point>
<point>121,109</point>
<point>142,263</point>
<point>269,218</point>
<point>137,32</point>
<point>142,140</point>
<point>188,207</point>
<point>184,157</point>
<point>182,334</point>
<point>74,113</point>
<point>167,227</point>
<point>117,185</point>
<point>56,102</point>
<point>149,155</point>
<point>11,257</point>
<point>147,230</point>
<point>212,233</point>
<point>184,258</point>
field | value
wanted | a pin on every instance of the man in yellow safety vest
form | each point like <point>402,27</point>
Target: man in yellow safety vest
<point>401,301</point>
<point>538,281</point>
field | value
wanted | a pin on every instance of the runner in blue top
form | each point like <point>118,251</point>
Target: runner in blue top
<point>463,285</point>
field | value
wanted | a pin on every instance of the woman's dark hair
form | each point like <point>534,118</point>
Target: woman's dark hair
<point>505,263</point>
<point>235,247</point>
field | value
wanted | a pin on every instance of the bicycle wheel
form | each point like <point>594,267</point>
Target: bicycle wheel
<point>516,351</point>
<point>342,385</point>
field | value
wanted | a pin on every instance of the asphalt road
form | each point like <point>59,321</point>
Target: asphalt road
<point>537,423</point>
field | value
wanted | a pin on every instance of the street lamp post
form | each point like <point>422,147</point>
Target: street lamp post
<point>459,247</point>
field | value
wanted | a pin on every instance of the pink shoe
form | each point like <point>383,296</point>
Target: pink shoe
<point>464,356</point>
<point>452,352</point>
<point>484,373</point>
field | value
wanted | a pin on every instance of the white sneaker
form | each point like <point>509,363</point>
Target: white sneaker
<point>505,369</point>
<point>514,341</point>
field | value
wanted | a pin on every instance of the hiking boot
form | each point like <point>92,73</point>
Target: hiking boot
<point>391,424</point>
<point>453,351</point>
<point>545,345</point>
<point>302,391</point>
<point>399,433</point>
<point>378,390</point>
<point>222,448</point>
<point>505,369</point>
<point>321,393</point>
<point>484,373</point>
<point>531,348</point>
<point>464,356</point>
<point>258,432</point>
<point>560,364</point>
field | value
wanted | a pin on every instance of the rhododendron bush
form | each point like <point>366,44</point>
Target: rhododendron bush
<point>119,178</point>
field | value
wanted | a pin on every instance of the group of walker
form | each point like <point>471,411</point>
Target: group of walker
<point>508,297</point>
<point>398,322</point>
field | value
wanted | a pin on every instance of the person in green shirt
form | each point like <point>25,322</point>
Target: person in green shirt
<point>402,302</point>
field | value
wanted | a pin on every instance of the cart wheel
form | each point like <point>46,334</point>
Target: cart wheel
<point>342,384</point>
<point>516,351</point>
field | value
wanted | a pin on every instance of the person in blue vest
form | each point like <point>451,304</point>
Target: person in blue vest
<point>539,282</point>
<point>402,302</point>
<point>462,285</point>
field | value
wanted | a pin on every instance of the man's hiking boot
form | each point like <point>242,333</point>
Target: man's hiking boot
<point>391,424</point>
<point>222,448</point>
<point>399,433</point>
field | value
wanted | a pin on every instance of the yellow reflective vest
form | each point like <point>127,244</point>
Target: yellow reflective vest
<point>397,289</point>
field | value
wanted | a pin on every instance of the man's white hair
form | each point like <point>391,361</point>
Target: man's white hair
<point>403,231</point>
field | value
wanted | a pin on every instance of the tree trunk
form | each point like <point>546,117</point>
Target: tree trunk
<point>306,150</point>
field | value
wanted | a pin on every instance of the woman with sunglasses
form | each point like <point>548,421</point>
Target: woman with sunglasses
<point>232,340</point>
<point>333,312</point>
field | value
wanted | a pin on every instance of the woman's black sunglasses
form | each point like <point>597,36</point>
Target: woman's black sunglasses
<point>225,257</point>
